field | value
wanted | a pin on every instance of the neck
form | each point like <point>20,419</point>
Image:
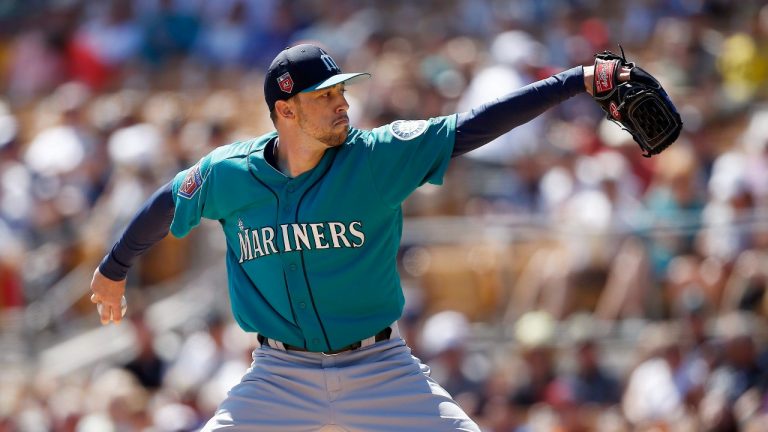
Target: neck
<point>294,159</point>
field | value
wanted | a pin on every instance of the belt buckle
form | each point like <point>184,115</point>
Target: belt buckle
<point>385,334</point>
<point>333,354</point>
<point>350,347</point>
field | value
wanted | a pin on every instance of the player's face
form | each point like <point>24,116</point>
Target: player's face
<point>322,114</point>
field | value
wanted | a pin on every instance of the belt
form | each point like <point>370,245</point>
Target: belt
<point>384,334</point>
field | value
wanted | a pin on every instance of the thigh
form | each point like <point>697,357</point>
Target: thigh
<point>394,392</point>
<point>274,395</point>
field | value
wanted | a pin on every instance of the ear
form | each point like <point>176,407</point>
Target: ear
<point>284,109</point>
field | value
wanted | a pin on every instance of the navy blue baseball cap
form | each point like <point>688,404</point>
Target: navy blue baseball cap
<point>303,68</point>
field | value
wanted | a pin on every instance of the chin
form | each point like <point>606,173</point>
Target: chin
<point>335,143</point>
<point>336,139</point>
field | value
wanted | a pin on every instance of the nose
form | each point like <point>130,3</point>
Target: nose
<point>343,105</point>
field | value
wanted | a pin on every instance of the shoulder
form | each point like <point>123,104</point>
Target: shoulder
<point>413,130</point>
<point>235,150</point>
<point>235,155</point>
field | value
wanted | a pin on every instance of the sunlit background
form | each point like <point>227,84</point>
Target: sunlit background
<point>558,281</point>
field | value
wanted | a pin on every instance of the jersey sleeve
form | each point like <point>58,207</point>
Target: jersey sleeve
<point>190,193</point>
<point>408,153</point>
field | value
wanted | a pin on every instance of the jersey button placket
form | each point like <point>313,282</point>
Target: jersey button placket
<point>297,284</point>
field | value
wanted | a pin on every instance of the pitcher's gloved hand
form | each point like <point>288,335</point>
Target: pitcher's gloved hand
<point>639,105</point>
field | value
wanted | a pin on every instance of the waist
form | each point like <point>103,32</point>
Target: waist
<point>386,333</point>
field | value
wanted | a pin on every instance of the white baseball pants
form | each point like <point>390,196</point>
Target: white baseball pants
<point>377,388</point>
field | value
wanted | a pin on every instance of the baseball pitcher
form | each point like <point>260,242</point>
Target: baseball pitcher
<point>312,218</point>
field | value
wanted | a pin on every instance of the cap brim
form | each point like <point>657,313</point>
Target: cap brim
<point>348,78</point>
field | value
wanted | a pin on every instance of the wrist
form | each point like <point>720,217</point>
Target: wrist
<point>589,74</point>
<point>111,269</point>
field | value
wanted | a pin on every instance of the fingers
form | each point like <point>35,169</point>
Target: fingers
<point>109,310</point>
<point>105,313</point>
<point>624,74</point>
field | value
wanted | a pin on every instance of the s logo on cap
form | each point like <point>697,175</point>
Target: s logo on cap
<point>285,82</point>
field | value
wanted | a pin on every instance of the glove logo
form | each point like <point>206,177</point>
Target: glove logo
<point>614,111</point>
<point>604,74</point>
<point>406,130</point>
<point>285,82</point>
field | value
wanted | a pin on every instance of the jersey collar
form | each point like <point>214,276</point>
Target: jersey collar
<point>260,167</point>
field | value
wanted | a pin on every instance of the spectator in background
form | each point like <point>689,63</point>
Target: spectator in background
<point>730,206</point>
<point>743,63</point>
<point>651,397</point>
<point>208,364</point>
<point>534,331</point>
<point>120,403</point>
<point>65,167</point>
<point>507,172</point>
<point>346,25</point>
<point>443,339</point>
<point>223,42</point>
<point>754,142</point>
<point>591,384</point>
<point>148,367</point>
<point>169,34</point>
<point>138,156</point>
<point>15,205</point>
<point>514,59</point>
<point>62,149</point>
<point>274,31</point>
<point>39,56</point>
<point>742,376</point>
<point>105,43</point>
<point>700,351</point>
<point>675,199</point>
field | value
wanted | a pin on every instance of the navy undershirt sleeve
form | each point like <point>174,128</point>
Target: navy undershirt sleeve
<point>487,122</point>
<point>148,226</point>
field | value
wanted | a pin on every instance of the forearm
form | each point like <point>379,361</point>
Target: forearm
<point>489,121</point>
<point>148,226</point>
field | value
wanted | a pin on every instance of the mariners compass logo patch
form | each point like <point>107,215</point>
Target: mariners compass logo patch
<point>408,129</point>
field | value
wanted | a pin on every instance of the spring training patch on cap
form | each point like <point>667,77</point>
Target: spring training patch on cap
<point>285,82</point>
<point>408,129</point>
<point>192,182</point>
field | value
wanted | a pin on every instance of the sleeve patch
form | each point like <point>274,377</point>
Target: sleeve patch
<point>406,130</point>
<point>192,182</point>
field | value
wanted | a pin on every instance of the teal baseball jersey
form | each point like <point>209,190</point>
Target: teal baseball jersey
<point>311,260</point>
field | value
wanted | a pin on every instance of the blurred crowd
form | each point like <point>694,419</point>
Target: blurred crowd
<point>584,288</point>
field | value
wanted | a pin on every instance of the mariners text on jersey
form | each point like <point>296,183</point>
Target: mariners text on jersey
<point>259,242</point>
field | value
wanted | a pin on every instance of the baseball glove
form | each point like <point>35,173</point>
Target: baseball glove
<point>640,105</point>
